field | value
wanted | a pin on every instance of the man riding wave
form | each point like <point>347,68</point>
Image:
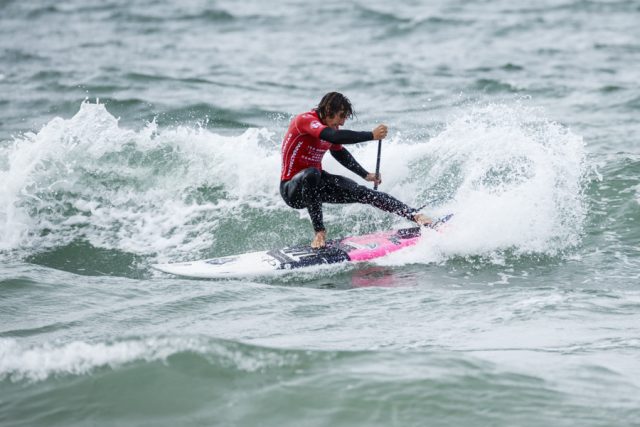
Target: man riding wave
<point>303,183</point>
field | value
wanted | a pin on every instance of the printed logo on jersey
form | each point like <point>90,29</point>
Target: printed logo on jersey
<point>315,124</point>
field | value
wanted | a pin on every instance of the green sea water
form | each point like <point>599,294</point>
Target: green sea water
<point>139,132</point>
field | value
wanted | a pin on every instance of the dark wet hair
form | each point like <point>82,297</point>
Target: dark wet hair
<point>334,103</point>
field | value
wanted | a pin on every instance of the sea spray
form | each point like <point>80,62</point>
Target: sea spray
<point>514,179</point>
<point>144,192</point>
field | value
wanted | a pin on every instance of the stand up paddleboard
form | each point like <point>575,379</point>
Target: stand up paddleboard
<point>349,249</point>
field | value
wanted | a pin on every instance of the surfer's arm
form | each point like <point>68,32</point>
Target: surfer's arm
<point>345,158</point>
<point>345,136</point>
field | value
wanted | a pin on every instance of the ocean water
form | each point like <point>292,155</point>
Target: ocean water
<point>137,132</point>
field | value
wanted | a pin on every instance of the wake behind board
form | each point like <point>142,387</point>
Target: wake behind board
<point>349,249</point>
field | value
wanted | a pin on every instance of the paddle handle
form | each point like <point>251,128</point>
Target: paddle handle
<point>375,186</point>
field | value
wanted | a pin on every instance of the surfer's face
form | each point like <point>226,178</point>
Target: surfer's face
<point>336,120</point>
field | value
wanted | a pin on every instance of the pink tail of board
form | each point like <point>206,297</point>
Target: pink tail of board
<point>370,246</point>
<point>363,248</point>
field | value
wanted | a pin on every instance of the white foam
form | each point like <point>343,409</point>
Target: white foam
<point>39,362</point>
<point>19,361</point>
<point>516,182</point>
<point>512,178</point>
<point>129,190</point>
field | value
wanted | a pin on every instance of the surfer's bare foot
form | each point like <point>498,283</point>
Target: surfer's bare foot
<point>422,219</point>
<point>319,240</point>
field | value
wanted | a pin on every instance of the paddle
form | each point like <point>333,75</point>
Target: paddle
<point>375,186</point>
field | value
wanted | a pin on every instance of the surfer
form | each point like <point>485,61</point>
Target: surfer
<point>303,183</point>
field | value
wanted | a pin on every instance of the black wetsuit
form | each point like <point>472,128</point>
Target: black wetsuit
<point>310,187</point>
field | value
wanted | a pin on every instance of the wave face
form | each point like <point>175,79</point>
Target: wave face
<point>184,192</point>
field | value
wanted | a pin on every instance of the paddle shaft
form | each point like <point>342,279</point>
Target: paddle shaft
<point>375,186</point>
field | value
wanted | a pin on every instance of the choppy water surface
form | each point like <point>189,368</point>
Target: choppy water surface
<point>140,132</point>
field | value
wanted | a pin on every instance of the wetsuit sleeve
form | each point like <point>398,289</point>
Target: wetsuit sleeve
<point>346,159</point>
<point>309,124</point>
<point>344,136</point>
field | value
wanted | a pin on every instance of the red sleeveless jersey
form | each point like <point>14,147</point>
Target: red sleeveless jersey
<point>302,147</point>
